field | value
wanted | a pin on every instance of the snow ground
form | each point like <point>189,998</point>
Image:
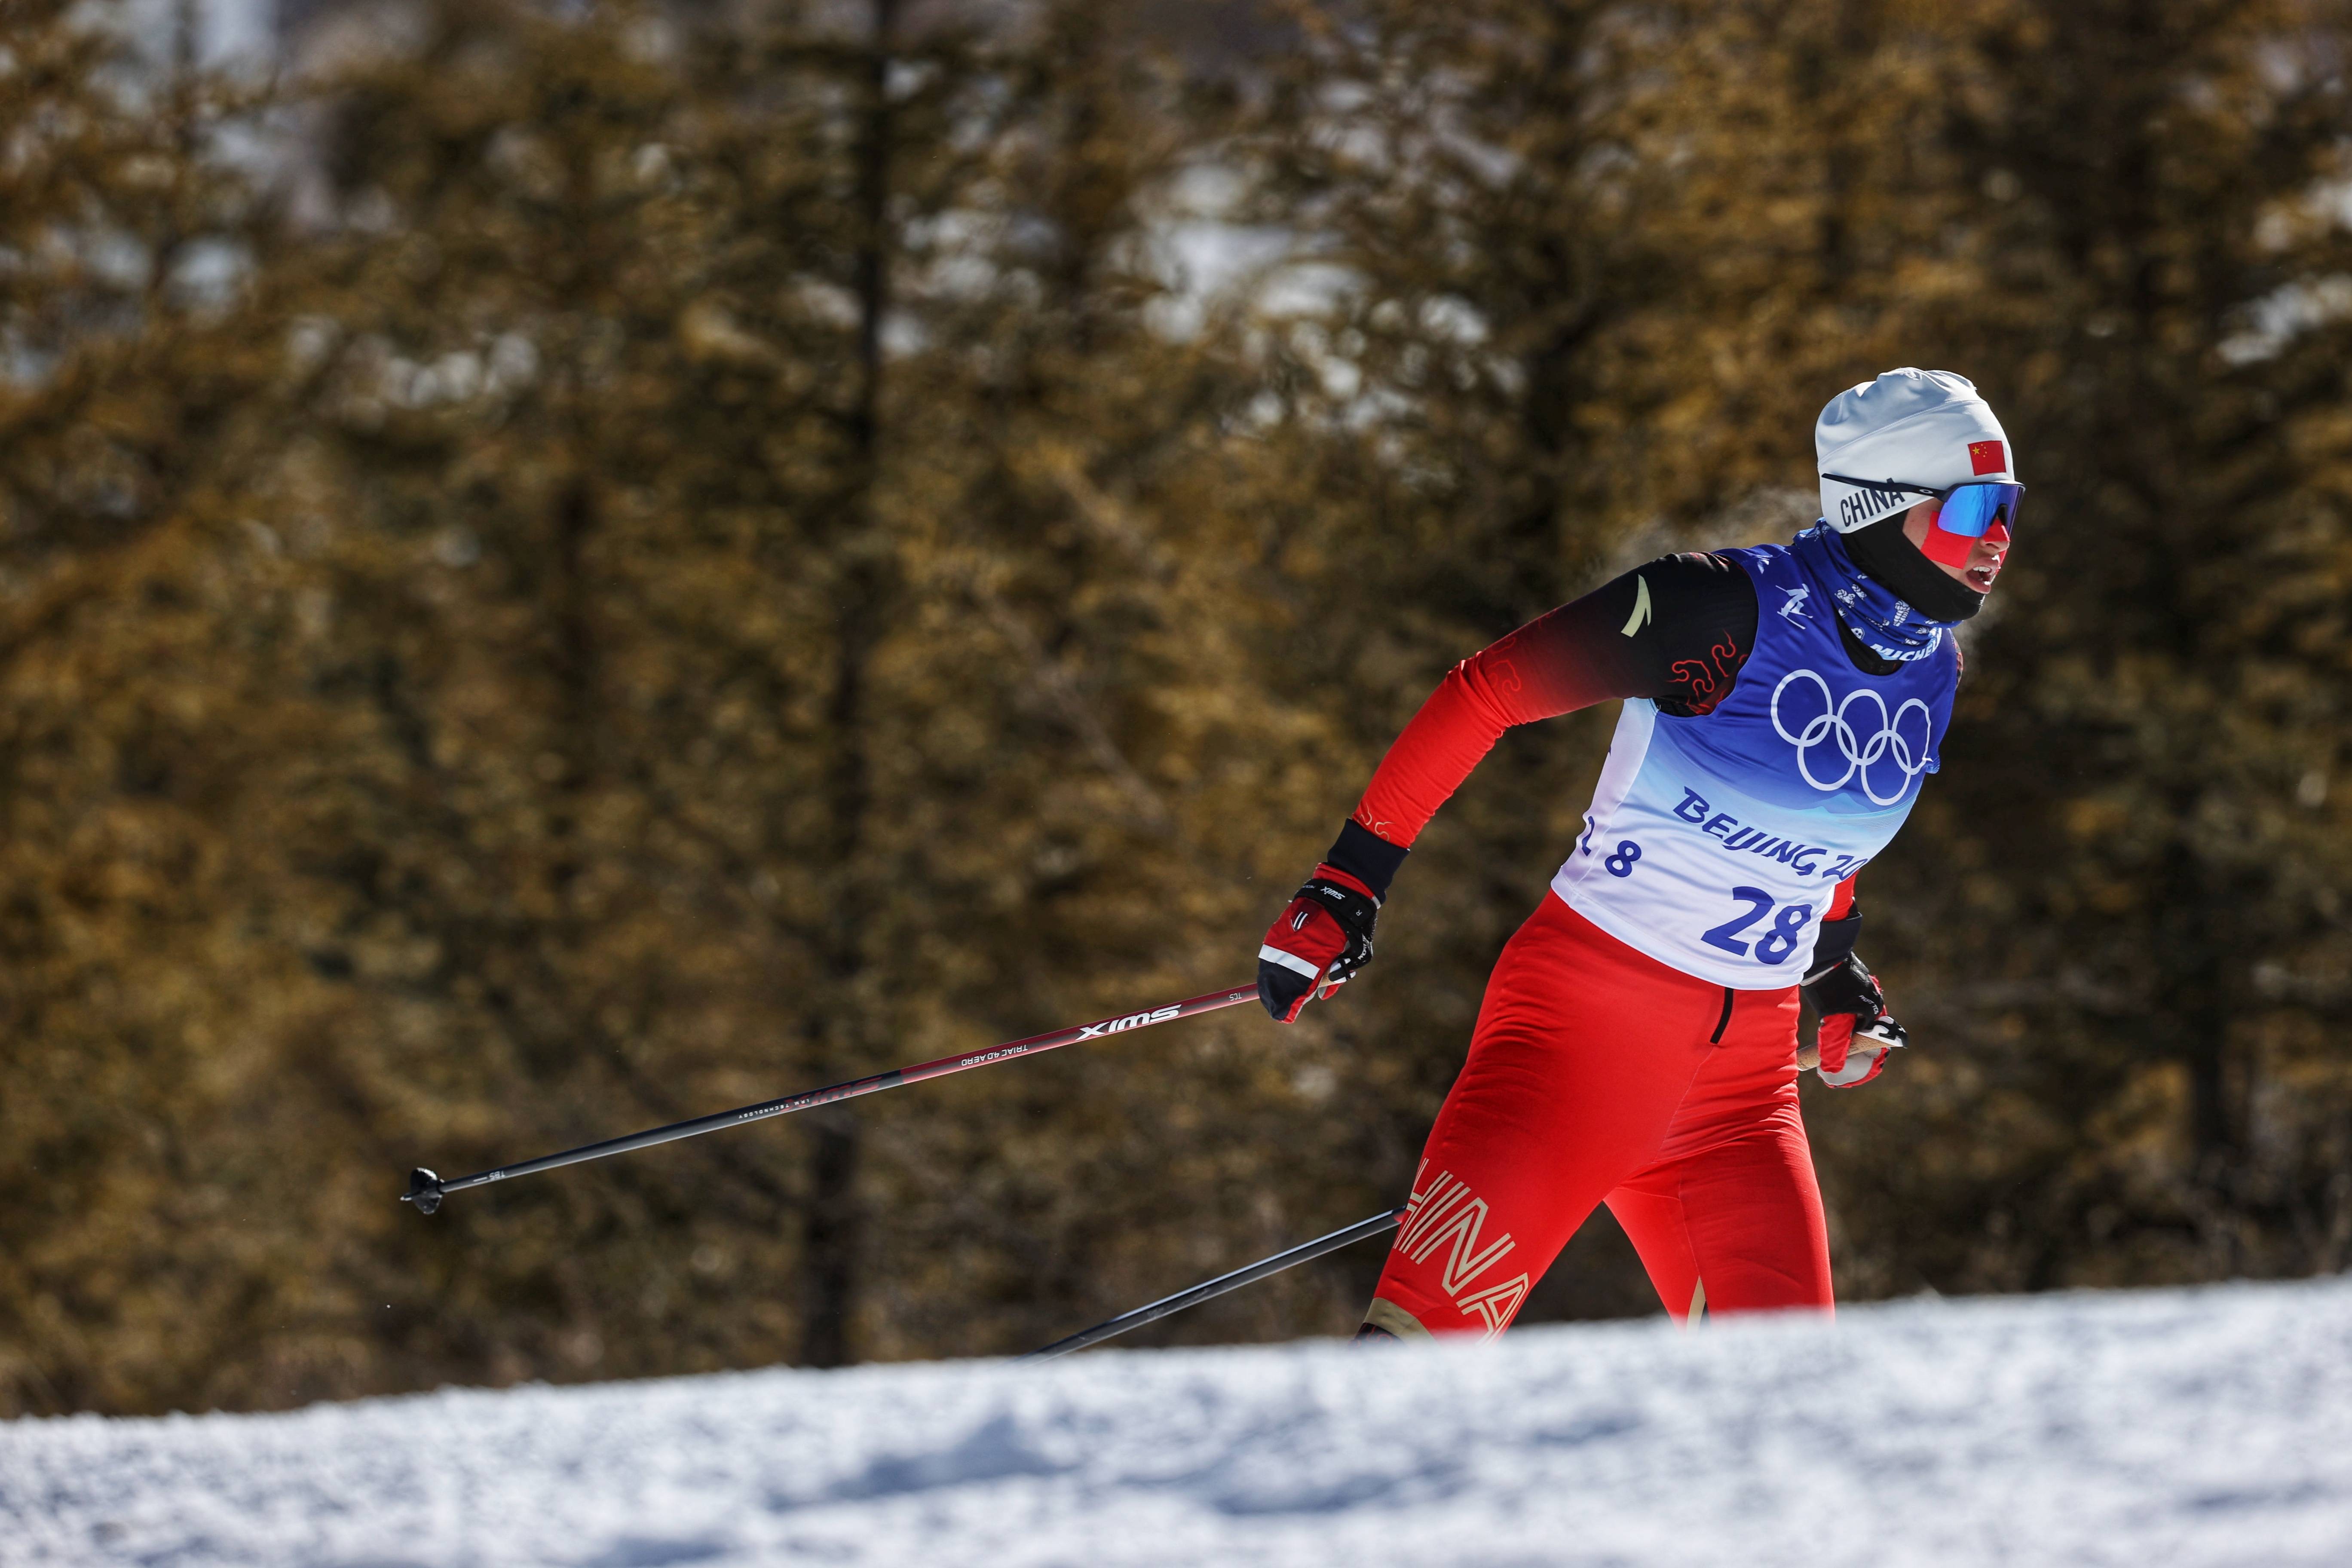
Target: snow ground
<point>2176,1428</point>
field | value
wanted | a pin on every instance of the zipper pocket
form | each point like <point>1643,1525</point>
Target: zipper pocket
<point>1723,1023</point>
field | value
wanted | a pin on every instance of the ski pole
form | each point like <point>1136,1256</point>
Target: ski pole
<point>426,1190</point>
<point>1378,1225</point>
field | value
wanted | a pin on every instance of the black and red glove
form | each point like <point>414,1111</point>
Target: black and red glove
<point>1325,934</point>
<point>1856,1031</point>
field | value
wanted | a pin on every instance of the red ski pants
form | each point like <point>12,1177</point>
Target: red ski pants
<point>1597,1074</point>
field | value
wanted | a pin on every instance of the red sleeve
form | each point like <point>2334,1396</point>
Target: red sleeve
<point>1842,902</point>
<point>1477,701</point>
<point>1675,630</point>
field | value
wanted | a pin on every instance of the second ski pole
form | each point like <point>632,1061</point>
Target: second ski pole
<point>1378,1225</point>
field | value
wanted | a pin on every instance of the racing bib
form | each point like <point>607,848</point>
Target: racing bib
<point>1714,843</point>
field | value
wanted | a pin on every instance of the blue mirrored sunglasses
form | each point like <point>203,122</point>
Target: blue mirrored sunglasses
<point>1970,507</point>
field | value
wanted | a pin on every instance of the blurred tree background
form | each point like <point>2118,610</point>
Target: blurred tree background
<point>562,567</point>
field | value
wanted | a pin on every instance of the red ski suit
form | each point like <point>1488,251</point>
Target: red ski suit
<point>1597,1074</point>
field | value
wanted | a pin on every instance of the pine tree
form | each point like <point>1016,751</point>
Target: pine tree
<point>599,414</point>
<point>1093,765</point>
<point>137,609</point>
<point>758,607</point>
<point>1483,425</point>
<point>2126,889</point>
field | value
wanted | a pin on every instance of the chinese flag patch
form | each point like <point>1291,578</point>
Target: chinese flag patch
<point>1986,458</point>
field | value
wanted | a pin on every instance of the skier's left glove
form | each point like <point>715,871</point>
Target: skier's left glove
<point>1312,946</point>
<point>1856,1031</point>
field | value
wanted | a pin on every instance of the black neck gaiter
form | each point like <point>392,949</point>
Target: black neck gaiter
<point>1882,551</point>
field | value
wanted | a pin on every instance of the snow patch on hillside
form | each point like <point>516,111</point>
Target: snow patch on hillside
<point>2182,1428</point>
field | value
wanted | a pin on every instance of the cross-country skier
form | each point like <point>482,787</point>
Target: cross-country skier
<point>1637,1045</point>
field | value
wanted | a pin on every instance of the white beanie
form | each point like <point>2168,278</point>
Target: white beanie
<point>1908,431</point>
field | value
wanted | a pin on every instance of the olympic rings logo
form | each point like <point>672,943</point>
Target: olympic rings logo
<point>1888,744</point>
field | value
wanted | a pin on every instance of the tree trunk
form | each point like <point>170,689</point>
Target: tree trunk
<point>832,1226</point>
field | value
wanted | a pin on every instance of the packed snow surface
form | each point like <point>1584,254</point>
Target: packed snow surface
<point>2177,1428</point>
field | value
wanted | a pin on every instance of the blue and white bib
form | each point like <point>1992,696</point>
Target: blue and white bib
<point>1714,843</point>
